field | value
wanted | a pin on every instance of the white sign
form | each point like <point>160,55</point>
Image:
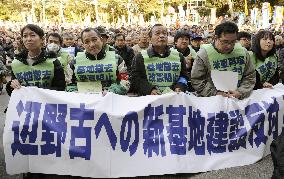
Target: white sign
<point>119,136</point>
<point>70,50</point>
<point>224,80</point>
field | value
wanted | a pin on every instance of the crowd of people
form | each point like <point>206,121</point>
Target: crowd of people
<point>143,61</point>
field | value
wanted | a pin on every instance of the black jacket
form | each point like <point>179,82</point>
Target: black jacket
<point>138,77</point>
<point>127,55</point>
<point>58,81</point>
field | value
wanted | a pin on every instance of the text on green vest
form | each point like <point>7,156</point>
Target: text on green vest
<point>162,72</point>
<point>96,70</point>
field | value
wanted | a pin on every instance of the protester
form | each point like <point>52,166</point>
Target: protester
<point>182,45</point>
<point>33,59</point>
<point>143,42</point>
<point>3,73</point>
<point>105,37</point>
<point>124,51</point>
<point>128,41</point>
<point>110,73</point>
<point>69,41</point>
<point>224,48</point>
<point>54,43</point>
<point>195,43</point>
<point>244,39</point>
<point>265,60</point>
<point>144,76</point>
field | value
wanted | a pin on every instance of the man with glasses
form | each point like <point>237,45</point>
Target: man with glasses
<point>224,54</point>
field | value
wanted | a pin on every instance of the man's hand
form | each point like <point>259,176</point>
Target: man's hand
<point>234,94</point>
<point>222,93</point>
<point>104,92</point>
<point>155,92</point>
<point>267,85</point>
<point>15,84</point>
<point>188,61</point>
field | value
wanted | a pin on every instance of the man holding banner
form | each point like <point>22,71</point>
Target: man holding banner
<point>159,68</point>
<point>97,70</point>
<point>224,54</point>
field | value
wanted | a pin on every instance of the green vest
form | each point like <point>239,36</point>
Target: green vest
<point>107,47</point>
<point>40,75</point>
<point>234,61</point>
<point>162,72</point>
<point>266,68</point>
<point>192,52</point>
<point>63,58</point>
<point>95,70</point>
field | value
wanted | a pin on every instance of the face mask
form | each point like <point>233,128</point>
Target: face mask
<point>53,48</point>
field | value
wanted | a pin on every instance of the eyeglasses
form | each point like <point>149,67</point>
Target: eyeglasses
<point>226,42</point>
<point>245,39</point>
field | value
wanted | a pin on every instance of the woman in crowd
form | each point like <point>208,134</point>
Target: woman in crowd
<point>265,60</point>
<point>33,66</point>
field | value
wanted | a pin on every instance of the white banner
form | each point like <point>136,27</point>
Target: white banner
<point>118,136</point>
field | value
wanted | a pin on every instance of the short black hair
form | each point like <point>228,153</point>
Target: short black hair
<point>89,30</point>
<point>67,34</point>
<point>36,29</point>
<point>256,44</point>
<point>151,29</point>
<point>118,35</point>
<point>244,35</point>
<point>226,28</point>
<point>180,34</point>
<point>54,34</point>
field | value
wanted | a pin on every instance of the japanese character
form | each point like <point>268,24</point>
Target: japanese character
<point>54,123</point>
<point>272,110</point>
<point>216,64</point>
<point>153,131</point>
<point>160,77</point>
<point>168,77</point>
<point>104,121</point>
<point>196,131</point>
<point>131,117</point>
<point>175,66</point>
<point>81,70</point>
<point>100,77</point>
<point>90,69</point>
<point>167,66</point>
<point>256,120</point>
<point>224,63</point>
<point>81,133</point>
<point>152,77</point>
<point>46,74</point>
<point>37,75</point>
<point>176,132</point>
<point>20,76</point>
<point>217,136</point>
<point>232,62</point>
<point>159,66</point>
<point>28,76</point>
<point>238,132</point>
<point>31,109</point>
<point>99,68</point>
<point>151,67</point>
<point>108,68</point>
